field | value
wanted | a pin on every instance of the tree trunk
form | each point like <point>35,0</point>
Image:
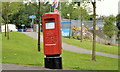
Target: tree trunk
<point>81,23</point>
<point>81,26</point>
<point>39,27</point>
<point>7,28</point>
<point>94,31</point>
<point>5,21</point>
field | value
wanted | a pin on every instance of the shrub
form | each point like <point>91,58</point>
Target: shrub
<point>79,37</point>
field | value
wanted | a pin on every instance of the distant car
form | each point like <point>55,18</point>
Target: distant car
<point>29,30</point>
<point>20,30</point>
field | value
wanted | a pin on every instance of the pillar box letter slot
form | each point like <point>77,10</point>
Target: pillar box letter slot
<point>52,40</point>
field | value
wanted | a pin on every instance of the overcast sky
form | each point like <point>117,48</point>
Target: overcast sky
<point>107,7</point>
<point>104,7</point>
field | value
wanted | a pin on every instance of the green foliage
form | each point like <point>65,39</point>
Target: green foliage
<point>18,13</point>
<point>77,37</point>
<point>21,49</point>
<point>22,17</point>
<point>118,21</point>
<point>3,21</point>
<point>118,25</point>
<point>9,9</point>
<point>112,17</point>
<point>77,13</point>
<point>109,29</point>
<point>68,8</point>
<point>82,10</point>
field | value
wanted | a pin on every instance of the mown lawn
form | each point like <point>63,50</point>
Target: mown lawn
<point>88,45</point>
<point>41,33</point>
<point>21,49</point>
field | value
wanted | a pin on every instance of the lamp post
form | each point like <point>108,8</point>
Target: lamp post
<point>39,27</point>
<point>38,24</point>
<point>69,26</point>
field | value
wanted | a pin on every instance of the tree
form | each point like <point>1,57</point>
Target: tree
<point>4,15</point>
<point>67,9</point>
<point>74,12</point>
<point>82,12</point>
<point>118,24</point>
<point>81,24</point>
<point>26,10</point>
<point>94,30</point>
<point>78,11</point>
<point>94,25</point>
<point>118,21</point>
<point>22,17</point>
<point>109,29</point>
<point>9,9</point>
<point>3,21</point>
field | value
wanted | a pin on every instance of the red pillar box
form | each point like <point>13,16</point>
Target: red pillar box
<point>52,40</point>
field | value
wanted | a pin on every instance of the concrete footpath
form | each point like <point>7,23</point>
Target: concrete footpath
<point>22,67</point>
<point>73,48</point>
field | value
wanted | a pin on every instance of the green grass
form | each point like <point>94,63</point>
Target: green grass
<point>41,33</point>
<point>21,49</point>
<point>88,45</point>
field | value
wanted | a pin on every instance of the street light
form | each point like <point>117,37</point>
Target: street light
<point>70,25</point>
<point>39,27</point>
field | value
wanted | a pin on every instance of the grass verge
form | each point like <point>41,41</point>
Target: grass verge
<point>88,45</point>
<point>21,49</point>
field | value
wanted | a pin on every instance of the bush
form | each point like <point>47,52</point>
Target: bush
<point>74,37</point>
<point>68,37</point>
<point>86,37</point>
<point>78,37</point>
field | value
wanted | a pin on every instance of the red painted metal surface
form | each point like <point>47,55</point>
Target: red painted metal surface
<point>51,34</point>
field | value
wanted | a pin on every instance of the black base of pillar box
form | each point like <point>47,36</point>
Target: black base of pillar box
<point>53,62</point>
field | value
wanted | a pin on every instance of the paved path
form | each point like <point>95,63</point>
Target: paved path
<point>21,67</point>
<point>72,48</point>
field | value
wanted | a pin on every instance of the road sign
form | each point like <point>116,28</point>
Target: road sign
<point>22,25</point>
<point>32,17</point>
